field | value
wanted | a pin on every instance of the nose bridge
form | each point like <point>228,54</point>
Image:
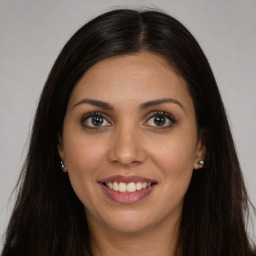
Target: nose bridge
<point>126,145</point>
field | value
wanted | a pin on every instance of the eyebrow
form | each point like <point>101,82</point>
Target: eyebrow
<point>97,103</point>
<point>148,104</point>
<point>152,103</point>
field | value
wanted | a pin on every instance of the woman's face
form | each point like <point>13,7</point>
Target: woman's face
<point>130,143</point>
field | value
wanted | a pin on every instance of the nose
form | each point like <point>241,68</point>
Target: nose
<point>126,147</point>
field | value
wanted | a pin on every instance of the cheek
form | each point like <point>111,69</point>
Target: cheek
<point>176,170</point>
<point>83,155</point>
<point>176,165</point>
<point>175,156</point>
<point>83,160</point>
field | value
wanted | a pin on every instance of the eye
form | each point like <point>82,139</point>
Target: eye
<point>94,120</point>
<point>161,120</point>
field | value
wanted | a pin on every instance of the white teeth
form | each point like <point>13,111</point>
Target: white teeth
<point>130,187</point>
<point>144,185</point>
<point>138,186</point>
<point>122,187</point>
<point>115,186</point>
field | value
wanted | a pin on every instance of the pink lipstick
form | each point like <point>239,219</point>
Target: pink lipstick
<point>127,189</point>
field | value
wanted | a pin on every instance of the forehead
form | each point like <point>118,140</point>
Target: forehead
<point>137,77</point>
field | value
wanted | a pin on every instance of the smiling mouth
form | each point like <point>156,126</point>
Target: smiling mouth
<point>130,187</point>
<point>127,189</point>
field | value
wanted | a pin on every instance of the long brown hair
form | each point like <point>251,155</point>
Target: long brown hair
<point>48,218</point>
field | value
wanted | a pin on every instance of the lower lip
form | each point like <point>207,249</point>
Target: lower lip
<point>127,198</point>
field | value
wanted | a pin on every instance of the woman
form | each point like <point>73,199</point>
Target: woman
<point>131,152</point>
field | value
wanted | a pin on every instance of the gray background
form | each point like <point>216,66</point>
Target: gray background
<point>33,32</point>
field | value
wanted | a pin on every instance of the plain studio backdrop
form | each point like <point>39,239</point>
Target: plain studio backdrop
<point>33,33</point>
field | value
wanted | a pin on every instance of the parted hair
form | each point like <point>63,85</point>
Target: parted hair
<point>48,219</point>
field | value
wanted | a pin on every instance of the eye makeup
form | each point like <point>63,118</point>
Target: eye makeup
<point>160,120</point>
<point>95,120</point>
<point>157,120</point>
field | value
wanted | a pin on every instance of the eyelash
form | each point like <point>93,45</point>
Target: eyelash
<point>92,114</point>
<point>167,116</point>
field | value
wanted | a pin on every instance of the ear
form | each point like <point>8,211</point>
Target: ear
<point>200,152</point>
<point>61,151</point>
<point>60,146</point>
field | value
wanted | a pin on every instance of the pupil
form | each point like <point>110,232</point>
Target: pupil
<point>159,120</point>
<point>97,120</point>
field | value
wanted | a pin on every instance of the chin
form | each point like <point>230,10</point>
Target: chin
<point>125,221</point>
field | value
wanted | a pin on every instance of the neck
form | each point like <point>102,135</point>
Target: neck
<point>158,240</point>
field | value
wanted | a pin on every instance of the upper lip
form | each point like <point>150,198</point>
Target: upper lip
<point>126,179</point>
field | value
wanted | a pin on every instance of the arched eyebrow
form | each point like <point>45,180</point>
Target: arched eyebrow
<point>145,105</point>
<point>97,103</point>
<point>152,103</point>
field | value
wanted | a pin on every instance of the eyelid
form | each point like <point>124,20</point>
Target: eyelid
<point>95,113</point>
<point>151,115</point>
<point>162,113</point>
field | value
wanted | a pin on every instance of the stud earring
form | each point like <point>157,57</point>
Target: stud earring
<point>62,165</point>
<point>201,163</point>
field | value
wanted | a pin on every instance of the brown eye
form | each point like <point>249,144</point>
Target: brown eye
<point>159,120</point>
<point>97,120</point>
<point>94,120</point>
